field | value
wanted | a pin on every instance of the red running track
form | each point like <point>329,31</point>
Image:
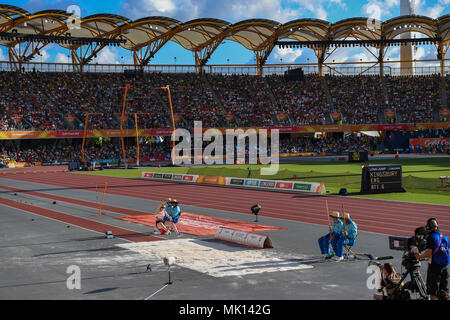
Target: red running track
<point>80,222</point>
<point>380,216</point>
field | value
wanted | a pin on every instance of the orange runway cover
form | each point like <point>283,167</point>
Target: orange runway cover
<point>200,225</point>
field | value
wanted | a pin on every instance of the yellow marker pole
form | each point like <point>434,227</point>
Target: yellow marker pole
<point>103,197</point>
<point>328,215</point>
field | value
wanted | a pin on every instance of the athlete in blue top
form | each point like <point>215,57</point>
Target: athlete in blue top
<point>174,211</point>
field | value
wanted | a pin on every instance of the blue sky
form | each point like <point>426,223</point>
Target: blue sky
<point>234,11</point>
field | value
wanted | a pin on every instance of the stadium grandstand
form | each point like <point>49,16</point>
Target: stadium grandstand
<point>332,108</point>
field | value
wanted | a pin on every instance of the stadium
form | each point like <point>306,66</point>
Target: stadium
<point>89,152</point>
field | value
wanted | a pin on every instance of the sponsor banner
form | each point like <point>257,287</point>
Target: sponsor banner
<point>211,180</point>
<point>251,183</point>
<point>239,182</point>
<point>284,185</point>
<point>146,174</point>
<point>429,142</point>
<point>152,159</point>
<point>79,133</point>
<point>106,161</point>
<point>302,186</point>
<point>8,135</point>
<point>266,184</point>
<point>55,163</point>
<point>298,154</point>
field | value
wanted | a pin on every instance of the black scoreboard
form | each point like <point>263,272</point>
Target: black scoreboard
<point>358,156</point>
<point>381,178</point>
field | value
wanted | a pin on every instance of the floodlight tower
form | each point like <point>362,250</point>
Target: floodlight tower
<point>406,52</point>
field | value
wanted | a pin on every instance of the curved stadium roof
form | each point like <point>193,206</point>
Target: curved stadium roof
<point>198,34</point>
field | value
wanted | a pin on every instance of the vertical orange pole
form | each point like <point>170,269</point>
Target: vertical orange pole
<point>173,123</point>
<point>137,138</point>
<point>101,203</point>
<point>121,123</point>
<point>84,137</point>
<point>103,197</point>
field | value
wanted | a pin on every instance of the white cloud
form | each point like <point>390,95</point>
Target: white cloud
<point>163,5</point>
<point>378,9</point>
<point>2,56</point>
<point>107,56</point>
<point>419,53</point>
<point>61,58</point>
<point>317,7</point>
<point>435,11</point>
<point>232,10</point>
<point>43,56</point>
<point>289,55</point>
<point>393,54</point>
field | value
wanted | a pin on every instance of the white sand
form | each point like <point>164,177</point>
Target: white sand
<point>215,258</point>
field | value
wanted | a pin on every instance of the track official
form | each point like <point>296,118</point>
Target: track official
<point>336,231</point>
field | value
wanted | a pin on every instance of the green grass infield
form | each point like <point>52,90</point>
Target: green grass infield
<point>420,176</point>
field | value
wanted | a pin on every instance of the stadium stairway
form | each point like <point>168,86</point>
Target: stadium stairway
<point>32,84</point>
<point>444,91</point>
<point>216,98</point>
<point>275,103</point>
<point>381,115</point>
<point>324,84</point>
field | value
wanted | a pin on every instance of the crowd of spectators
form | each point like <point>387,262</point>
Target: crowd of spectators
<point>304,101</point>
<point>95,149</point>
<point>246,97</point>
<point>43,101</point>
<point>359,99</point>
<point>414,98</point>
<point>337,145</point>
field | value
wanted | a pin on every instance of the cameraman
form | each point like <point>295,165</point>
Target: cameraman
<point>437,251</point>
<point>390,282</point>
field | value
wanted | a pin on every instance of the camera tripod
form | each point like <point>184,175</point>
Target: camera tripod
<point>415,285</point>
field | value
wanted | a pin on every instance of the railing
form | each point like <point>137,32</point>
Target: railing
<point>364,68</point>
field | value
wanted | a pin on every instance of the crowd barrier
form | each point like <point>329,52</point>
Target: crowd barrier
<point>279,185</point>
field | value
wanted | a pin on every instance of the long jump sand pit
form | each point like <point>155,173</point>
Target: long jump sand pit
<point>216,258</point>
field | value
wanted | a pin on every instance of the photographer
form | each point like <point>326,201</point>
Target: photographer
<point>438,251</point>
<point>390,282</point>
